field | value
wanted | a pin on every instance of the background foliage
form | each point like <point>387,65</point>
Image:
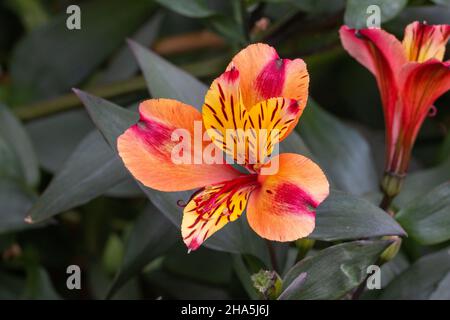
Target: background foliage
<point>59,168</point>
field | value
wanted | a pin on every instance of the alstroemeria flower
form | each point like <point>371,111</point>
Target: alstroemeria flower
<point>257,91</point>
<point>411,76</point>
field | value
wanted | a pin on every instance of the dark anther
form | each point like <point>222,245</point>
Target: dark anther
<point>181,203</point>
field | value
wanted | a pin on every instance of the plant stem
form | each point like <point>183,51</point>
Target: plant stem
<point>70,101</point>
<point>386,203</point>
<point>272,254</point>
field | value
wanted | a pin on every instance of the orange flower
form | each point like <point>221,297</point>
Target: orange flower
<point>410,77</point>
<point>258,91</point>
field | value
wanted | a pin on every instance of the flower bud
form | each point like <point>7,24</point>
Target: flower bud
<point>268,283</point>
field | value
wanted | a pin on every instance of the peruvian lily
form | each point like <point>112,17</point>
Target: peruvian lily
<point>411,75</point>
<point>258,91</point>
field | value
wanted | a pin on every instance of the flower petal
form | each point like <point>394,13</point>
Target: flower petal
<point>223,114</point>
<point>272,121</point>
<point>264,75</point>
<point>283,207</point>
<point>148,148</point>
<point>422,83</point>
<point>383,55</point>
<point>213,207</point>
<point>423,42</point>
<point>248,136</point>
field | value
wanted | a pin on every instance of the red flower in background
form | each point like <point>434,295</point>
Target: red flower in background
<point>411,75</point>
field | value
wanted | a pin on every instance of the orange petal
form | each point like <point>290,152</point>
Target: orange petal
<point>283,207</point>
<point>213,207</point>
<point>223,114</point>
<point>423,42</point>
<point>272,120</point>
<point>248,136</point>
<point>383,55</point>
<point>422,83</point>
<point>264,75</point>
<point>146,148</point>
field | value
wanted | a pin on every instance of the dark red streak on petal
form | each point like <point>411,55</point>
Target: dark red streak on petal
<point>154,134</point>
<point>270,81</point>
<point>295,199</point>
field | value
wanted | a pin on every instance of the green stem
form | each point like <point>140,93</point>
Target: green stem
<point>71,101</point>
<point>272,254</point>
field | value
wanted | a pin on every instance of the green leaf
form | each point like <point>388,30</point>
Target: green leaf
<point>244,276</point>
<point>174,287</point>
<point>442,2</point>
<point>334,271</point>
<point>295,286</point>
<point>13,133</point>
<point>340,150</point>
<point>9,166</point>
<point>319,6</point>
<point>39,285</point>
<point>164,80</point>
<point>444,150</point>
<point>427,278</point>
<point>356,15</point>
<point>90,171</point>
<point>191,8</point>
<point>56,136</point>
<point>346,217</point>
<point>122,65</point>
<point>31,12</point>
<point>204,265</point>
<point>151,236</point>
<point>421,182</point>
<point>52,59</point>
<point>430,14</point>
<point>427,219</point>
<point>15,201</point>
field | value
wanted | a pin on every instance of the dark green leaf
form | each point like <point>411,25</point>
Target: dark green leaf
<point>319,6</point>
<point>123,65</point>
<point>427,278</point>
<point>151,236</point>
<point>347,217</point>
<point>421,182</point>
<point>192,8</point>
<point>444,150</point>
<point>203,265</point>
<point>340,150</point>
<point>244,276</point>
<point>442,2</point>
<point>164,80</point>
<point>174,287</point>
<point>90,171</point>
<point>15,201</point>
<point>55,137</point>
<point>427,219</point>
<point>294,287</point>
<point>52,59</point>
<point>39,285</point>
<point>334,271</point>
<point>15,136</point>
<point>356,15</point>
<point>430,14</point>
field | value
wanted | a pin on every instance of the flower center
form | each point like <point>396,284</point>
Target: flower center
<point>225,197</point>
